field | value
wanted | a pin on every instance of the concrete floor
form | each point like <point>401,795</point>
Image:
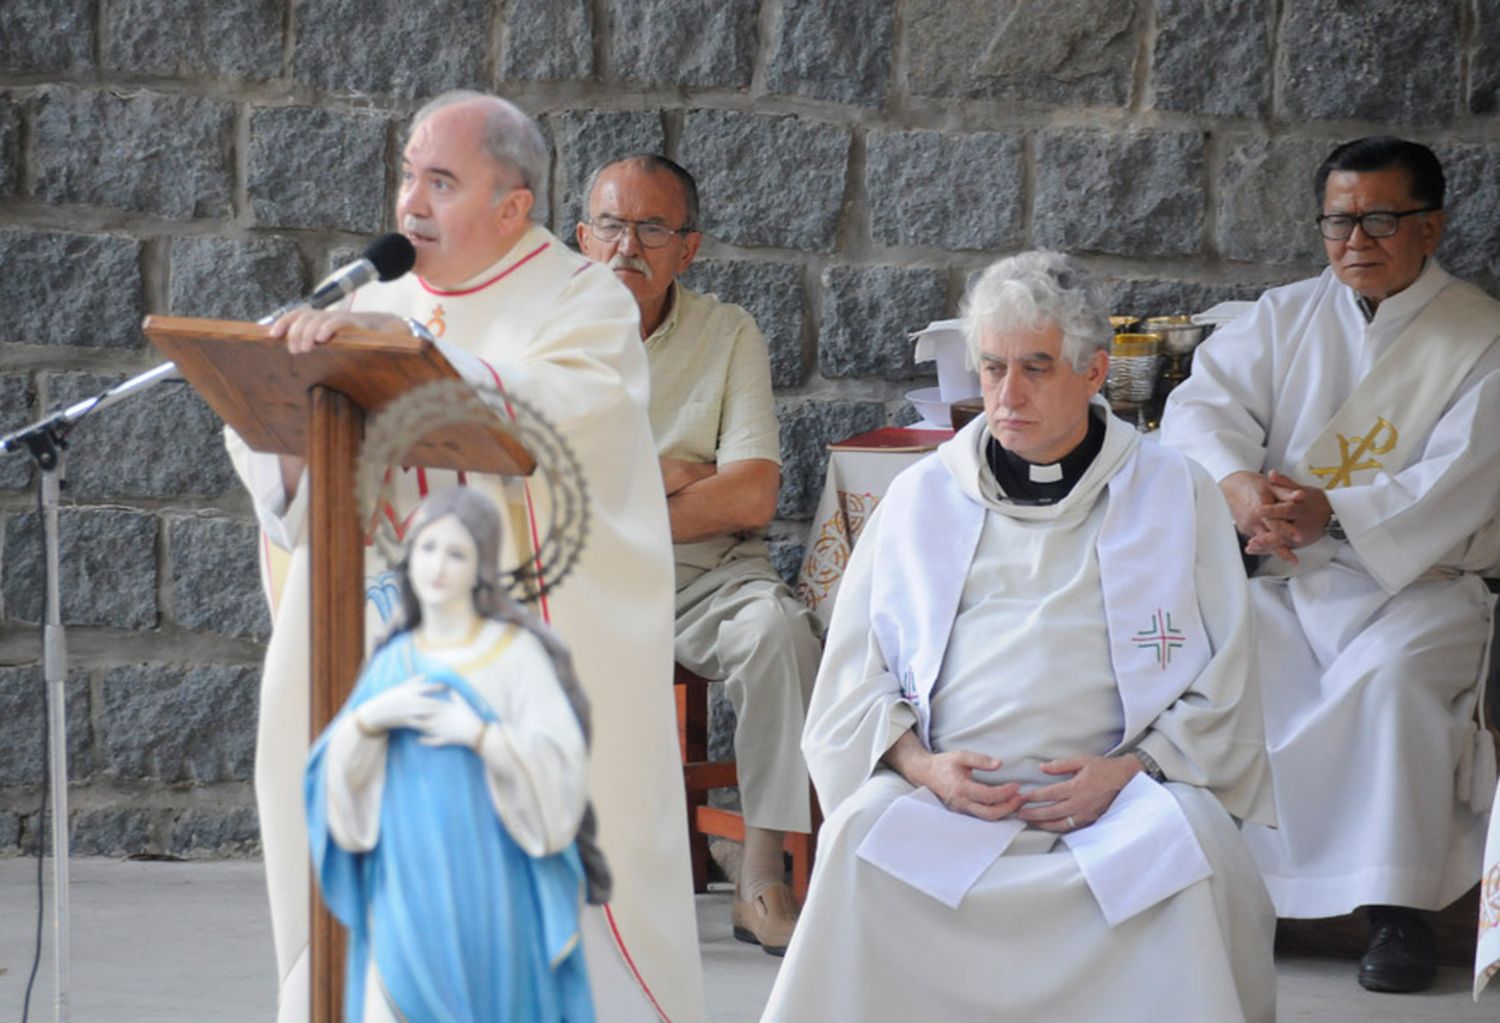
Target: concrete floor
<point>190,942</point>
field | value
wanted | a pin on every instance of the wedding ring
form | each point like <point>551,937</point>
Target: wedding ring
<point>1072,824</point>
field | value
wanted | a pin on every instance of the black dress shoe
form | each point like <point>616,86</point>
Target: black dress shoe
<point>1401,957</point>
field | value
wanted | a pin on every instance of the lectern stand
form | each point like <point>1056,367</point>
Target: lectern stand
<point>313,405</point>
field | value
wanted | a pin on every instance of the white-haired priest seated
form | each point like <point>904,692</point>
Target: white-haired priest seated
<point>1034,725</point>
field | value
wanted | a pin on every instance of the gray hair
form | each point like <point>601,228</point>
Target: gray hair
<point>1032,290</point>
<point>511,139</point>
<point>652,163</point>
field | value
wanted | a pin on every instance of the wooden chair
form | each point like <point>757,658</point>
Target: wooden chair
<point>699,775</point>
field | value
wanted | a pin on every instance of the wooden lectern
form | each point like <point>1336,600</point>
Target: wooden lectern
<point>313,406</point>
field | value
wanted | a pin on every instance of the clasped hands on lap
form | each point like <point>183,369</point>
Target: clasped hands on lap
<point>1086,791</point>
<point>1275,512</point>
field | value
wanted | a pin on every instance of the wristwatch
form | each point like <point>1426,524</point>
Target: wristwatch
<point>1335,528</point>
<point>1149,765</point>
<point>419,330</point>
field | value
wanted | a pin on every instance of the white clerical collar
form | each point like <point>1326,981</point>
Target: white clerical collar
<point>533,241</point>
<point>1045,473</point>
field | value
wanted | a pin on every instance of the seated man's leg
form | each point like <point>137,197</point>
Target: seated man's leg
<point>740,624</point>
<point>1028,941</point>
<point>1367,713</point>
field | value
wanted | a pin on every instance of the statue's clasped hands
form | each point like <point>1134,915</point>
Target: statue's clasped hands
<point>443,718</point>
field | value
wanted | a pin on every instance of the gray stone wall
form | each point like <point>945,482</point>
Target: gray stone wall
<point>859,159</point>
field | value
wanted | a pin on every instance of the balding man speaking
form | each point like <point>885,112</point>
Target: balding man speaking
<point>514,308</point>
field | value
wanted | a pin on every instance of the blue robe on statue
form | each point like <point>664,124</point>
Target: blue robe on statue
<point>464,925</point>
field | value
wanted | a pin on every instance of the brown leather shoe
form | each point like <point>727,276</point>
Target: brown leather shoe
<point>766,920</point>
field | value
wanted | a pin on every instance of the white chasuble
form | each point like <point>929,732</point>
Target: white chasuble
<point>559,332</point>
<point>1370,650</point>
<point>1027,676</point>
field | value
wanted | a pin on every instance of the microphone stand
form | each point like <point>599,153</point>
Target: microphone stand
<point>46,441</point>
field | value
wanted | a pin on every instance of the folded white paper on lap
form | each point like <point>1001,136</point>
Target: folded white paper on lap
<point>1140,852</point>
<point>940,853</point>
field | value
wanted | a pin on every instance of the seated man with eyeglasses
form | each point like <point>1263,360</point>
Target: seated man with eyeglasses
<point>719,445</point>
<point>1352,422</point>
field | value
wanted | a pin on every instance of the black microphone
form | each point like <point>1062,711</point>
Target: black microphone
<point>386,258</point>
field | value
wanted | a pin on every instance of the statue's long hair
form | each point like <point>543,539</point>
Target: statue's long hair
<point>479,517</point>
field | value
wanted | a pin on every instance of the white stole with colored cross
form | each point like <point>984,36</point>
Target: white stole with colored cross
<point>1384,422</point>
<point>1157,641</point>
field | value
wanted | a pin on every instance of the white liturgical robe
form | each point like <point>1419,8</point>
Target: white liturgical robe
<point>557,330</point>
<point>1028,674</point>
<point>1370,651</point>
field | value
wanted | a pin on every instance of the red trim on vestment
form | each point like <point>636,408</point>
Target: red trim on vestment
<point>485,284</point>
<point>620,942</point>
<point>614,929</point>
<point>530,508</point>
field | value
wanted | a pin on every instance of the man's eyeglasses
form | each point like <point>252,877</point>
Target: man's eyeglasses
<point>1336,227</point>
<point>651,234</point>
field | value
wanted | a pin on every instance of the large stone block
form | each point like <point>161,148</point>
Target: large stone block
<point>16,410</point>
<point>227,39</point>
<point>1155,296</point>
<point>868,315</point>
<point>10,148</point>
<point>837,50</point>
<point>1076,52</point>
<point>721,725</point>
<point>392,47</point>
<point>54,36</point>
<point>111,831</point>
<point>10,830</point>
<point>234,280</point>
<point>168,156</point>
<point>318,168</point>
<point>547,40</point>
<point>1471,239</point>
<point>1484,66</point>
<point>71,289</point>
<point>786,556</point>
<point>772,294</point>
<point>1388,61</point>
<point>1212,57</point>
<point>699,43</point>
<point>215,577</point>
<point>767,180</point>
<point>215,834</point>
<point>108,568</point>
<point>23,726</point>
<point>176,723</point>
<point>588,138</point>
<point>807,428</point>
<point>1267,209</point>
<point>167,443</point>
<point>946,191</point>
<point>1131,194</point>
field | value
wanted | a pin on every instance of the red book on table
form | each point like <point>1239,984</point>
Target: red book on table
<point>892,438</point>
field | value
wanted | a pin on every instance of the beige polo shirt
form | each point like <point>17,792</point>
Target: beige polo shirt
<point>711,398</point>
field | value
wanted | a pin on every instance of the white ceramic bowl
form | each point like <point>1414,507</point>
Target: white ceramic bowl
<point>930,406</point>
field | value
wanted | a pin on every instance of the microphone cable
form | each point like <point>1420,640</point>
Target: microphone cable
<point>41,816</point>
